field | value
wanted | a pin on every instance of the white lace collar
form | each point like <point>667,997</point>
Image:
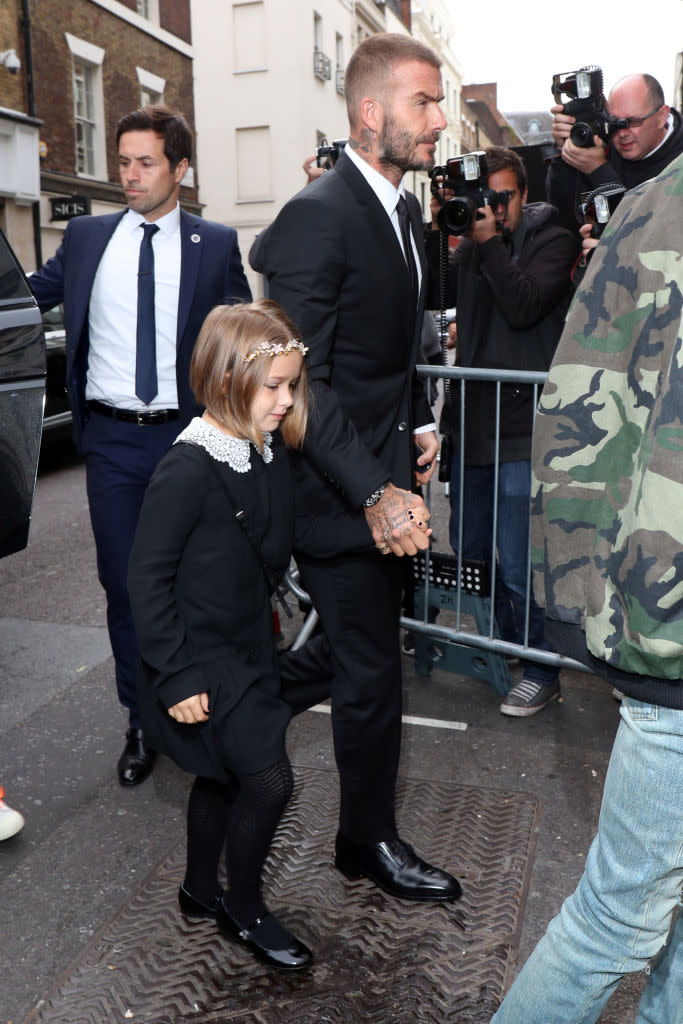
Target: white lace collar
<point>222,447</point>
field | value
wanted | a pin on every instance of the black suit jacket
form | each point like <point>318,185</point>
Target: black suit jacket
<point>334,262</point>
<point>210,273</point>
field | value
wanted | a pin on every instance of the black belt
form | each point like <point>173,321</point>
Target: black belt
<point>143,419</point>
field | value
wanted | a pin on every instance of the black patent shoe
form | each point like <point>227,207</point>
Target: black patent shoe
<point>136,761</point>
<point>286,955</point>
<point>396,868</point>
<point>190,906</point>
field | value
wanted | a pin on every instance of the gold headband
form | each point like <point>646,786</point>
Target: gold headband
<point>267,348</point>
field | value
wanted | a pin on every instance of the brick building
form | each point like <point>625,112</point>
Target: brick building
<point>92,62</point>
<point>19,135</point>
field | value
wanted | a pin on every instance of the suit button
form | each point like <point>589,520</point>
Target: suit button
<point>403,425</point>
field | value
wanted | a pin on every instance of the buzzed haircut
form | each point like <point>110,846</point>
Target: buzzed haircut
<point>374,60</point>
<point>498,158</point>
<point>168,124</point>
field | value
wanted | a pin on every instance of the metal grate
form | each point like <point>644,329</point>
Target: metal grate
<point>377,958</point>
<point>443,573</point>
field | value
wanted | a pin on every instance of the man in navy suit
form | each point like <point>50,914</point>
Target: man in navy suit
<point>136,287</point>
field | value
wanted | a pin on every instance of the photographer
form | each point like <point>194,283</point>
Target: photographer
<point>633,153</point>
<point>510,283</point>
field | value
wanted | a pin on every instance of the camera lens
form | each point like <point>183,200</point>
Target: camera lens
<point>582,134</point>
<point>459,214</point>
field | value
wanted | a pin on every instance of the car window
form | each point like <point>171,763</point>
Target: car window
<point>53,319</point>
<point>12,282</point>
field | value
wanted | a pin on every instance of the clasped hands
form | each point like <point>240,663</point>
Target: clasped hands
<point>192,710</point>
<point>399,522</point>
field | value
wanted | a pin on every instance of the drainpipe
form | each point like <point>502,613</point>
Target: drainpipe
<point>30,87</point>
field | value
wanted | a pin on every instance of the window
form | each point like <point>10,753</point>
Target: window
<point>249,37</point>
<point>339,53</point>
<point>151,87</point>
<point>322,65</point>
<point>84,117</point>
<point>253,164</point>
<point>149,10</point>
<point>88,105</point>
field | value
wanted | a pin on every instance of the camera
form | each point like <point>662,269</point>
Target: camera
<point>599,205</point>
<point>326,155</point>
<point>466,177</point>
<point>581,94</point>
<point>9,59</point>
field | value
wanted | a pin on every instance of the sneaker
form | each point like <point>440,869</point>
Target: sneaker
<point>11,821</point>
<point>528,698</point>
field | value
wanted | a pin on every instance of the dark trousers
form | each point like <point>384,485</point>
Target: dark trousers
<point>120,459</point>
<point>357,662</point>
<point>512,547</point>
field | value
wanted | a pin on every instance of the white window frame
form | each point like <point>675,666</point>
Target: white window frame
<point>150,83</point>
<point>85,53</point>
<point>151,13</point>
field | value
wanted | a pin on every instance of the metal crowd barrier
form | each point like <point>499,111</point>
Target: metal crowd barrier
<point>442,583</point>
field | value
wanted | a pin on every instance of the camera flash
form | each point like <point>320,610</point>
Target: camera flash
<point>583,85</point>
<point>601,209</point>
<point>470,166</point>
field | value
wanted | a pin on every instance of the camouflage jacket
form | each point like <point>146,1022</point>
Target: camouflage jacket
<point>607,497</point>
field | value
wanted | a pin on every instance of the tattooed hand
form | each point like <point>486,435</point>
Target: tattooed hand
<point>399,522</point>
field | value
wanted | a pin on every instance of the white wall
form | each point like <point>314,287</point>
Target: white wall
<point>258,104</point>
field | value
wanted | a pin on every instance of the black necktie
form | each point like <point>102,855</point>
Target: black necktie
<point>404,223</point>
<point>146,384</point>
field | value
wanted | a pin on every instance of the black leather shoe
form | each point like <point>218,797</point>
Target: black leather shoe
<point>287,954</point>
<point>396,868</point>
<point>136,761</point>
<point>191,907</point>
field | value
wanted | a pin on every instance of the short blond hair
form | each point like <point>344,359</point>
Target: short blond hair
<point>228,335</point>
<point>373,62</point>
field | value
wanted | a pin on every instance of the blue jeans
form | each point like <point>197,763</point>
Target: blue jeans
<point>618,919</point>
<point>512,545</point>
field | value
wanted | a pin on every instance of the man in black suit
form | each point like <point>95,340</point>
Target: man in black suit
<point>136,287</point>
<point>345,258</point>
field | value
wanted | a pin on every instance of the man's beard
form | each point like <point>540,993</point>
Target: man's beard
<point>398,148</point>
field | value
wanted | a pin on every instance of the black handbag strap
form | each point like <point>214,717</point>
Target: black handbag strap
<point>272,578</point>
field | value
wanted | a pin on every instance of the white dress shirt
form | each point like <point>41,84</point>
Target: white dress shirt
<point>389,196</point>
<point>113,314</point>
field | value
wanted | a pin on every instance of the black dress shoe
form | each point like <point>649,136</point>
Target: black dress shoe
<point>136,761</point>
<point>191,907</point>
<point>284,953</point>
<point>396,868</point>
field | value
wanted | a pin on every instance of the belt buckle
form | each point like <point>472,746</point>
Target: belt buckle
<point>140,420</point>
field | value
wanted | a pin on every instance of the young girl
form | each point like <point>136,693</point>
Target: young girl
<point>215,531</point>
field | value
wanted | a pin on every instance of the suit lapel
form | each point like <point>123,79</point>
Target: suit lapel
<point>381,228</point>
<point>191,243</point>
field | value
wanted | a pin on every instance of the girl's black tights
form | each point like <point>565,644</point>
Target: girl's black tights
<point>244,815</point>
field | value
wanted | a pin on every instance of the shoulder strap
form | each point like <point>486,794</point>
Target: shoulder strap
<point>272,578</point>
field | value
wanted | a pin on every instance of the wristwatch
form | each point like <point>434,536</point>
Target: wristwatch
<point>375,496</point>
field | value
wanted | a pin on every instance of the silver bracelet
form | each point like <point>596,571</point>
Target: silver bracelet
<point>374,497</point>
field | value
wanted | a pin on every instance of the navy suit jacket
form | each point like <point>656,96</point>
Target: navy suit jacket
<point>211,273</point>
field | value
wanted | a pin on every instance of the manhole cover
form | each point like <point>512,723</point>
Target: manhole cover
<point>377,959</point>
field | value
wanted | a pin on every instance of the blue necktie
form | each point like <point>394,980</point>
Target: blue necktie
<point>146,384</point>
